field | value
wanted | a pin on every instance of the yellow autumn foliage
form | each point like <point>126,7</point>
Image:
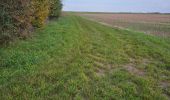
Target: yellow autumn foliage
<point>40,12</point>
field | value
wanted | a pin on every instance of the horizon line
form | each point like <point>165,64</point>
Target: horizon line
<point>119,12</point>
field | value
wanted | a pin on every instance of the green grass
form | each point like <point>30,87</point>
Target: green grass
<point>74,58</point>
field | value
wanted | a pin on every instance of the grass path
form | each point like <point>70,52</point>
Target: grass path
<point>74,58</point>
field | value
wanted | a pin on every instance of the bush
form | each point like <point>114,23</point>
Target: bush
<point>41,12</point>
<point>55,8</point>
<point>15,18</point>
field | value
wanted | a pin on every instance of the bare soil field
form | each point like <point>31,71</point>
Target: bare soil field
<point>158,24</point>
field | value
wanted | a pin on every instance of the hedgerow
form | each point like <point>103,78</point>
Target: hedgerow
<point>19,17</point>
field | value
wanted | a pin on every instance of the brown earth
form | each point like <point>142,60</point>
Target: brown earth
<point>158,24</point>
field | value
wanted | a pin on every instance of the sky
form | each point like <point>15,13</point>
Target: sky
<point>162,6</point>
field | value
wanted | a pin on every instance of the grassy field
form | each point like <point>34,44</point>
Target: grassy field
<point>74,58</point>
<point>158,24</point>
